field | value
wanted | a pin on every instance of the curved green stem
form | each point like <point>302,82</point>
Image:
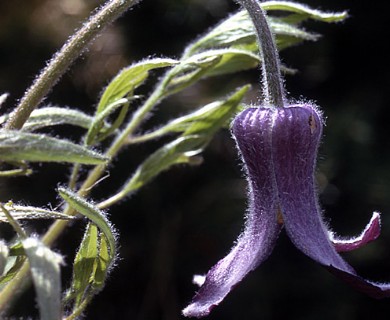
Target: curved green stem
<point>64,58</point>
<point>272,80</point>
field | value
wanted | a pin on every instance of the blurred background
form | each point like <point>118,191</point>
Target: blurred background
<point>188,218</point>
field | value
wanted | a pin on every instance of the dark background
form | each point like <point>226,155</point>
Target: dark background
<point>189,217</point>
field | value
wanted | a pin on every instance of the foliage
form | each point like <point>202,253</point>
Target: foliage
<point>228,48</point>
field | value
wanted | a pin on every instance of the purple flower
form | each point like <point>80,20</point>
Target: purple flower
<point>279,148</point>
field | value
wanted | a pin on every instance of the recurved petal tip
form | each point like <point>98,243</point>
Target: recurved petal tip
<point>370,233</point>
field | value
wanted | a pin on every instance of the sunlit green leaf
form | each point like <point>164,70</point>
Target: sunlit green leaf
<point>51,116</point>
<point>102,264</point>
<point>229,61</point>
<point>13,265</point>
<point>92,213</point>
<point>94,132</point>
<point>23,146</point>
<point>188,72</point>
<point>237,30</point>
<point>175,152</point>
<point>304,11</point>
<point>96,253</point>
<point>26,212</point>
<point>129,79</point>
<point>203,121</point>
<point>16,249</point>
<point>45,271</point>
<point>84,264</point>
<point>218,116</point>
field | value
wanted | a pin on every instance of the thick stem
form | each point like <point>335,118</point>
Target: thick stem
<point>272,80</point>
<point>64,58</point>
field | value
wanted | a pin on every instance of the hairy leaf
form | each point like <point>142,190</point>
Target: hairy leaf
<point>92,213</point>
<point>178,151</point>
<point>96,253</point>
<point>23,146</point>
<point>206,120</point>
<point>237,30</point>
<point>52,116</point>
<point>102,264</point>
<point>13,265</point>
<point>95,132</point>
<point>45,270</point>
<point>305,11</point>
<point>217,116</point>
<point>26,212</point>
<point>188,72</point>
<point>198,128</point>
<point>129,79</point>
<point>84,264</point>
<point>230,61</point>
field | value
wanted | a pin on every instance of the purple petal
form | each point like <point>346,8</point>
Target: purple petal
<point>370,233</point>
<point>252,130</point>
<point>296,137</point>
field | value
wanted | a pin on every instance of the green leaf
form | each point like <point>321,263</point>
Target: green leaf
<point>26,212</point>
<point>217,116</point>
<point>92,213</point>
<point>203,121</point>
<point>129,79</point>
<point>84,264</point>
<point>45,271</point>
<point>4,253</point>
<point>13,265</point>
<point>23,146</point>
<point>178,151</point>
<point>95,132</point>
<point>237,30</point>
<point>16,249</point>
<point>304,11</point>
<point>197,130</point>
<point>90,268</point>
<point>188,72</point>
<point>102,264</point>
<point>52,116</point>
<point>230,61</point>
<point>96,254</point>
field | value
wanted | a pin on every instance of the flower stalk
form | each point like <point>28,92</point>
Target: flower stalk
<point>273,90</point>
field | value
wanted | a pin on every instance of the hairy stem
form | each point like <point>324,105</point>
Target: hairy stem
<point>64,58</point>
<point>272,80</point>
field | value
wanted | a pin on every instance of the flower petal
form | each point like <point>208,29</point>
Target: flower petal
<point>370,233</point>
<point>252,130</point>
<point>296,138</point>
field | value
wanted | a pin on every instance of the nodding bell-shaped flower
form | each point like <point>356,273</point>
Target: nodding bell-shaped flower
<point>279,148</point>
<point>278,142</point>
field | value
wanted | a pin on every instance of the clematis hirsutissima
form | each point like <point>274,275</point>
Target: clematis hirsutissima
<point>279,148</point>
<point>278,142</point>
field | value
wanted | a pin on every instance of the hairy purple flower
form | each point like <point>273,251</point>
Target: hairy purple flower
<point>279,148</point>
